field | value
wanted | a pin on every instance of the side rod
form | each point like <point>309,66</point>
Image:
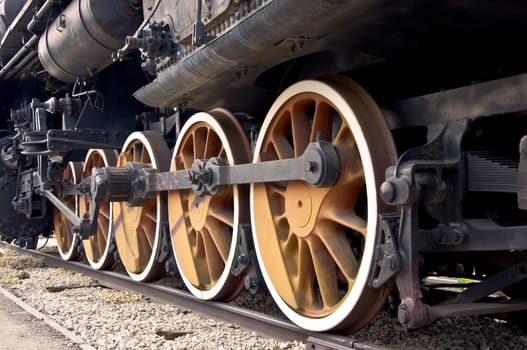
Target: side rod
<point>318,166</point>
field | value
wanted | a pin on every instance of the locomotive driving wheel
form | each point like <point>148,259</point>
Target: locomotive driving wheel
<point>69,246</point>
<point>139,229</point>
<point>315,245</point>
<point>100,247</point>
<point>204,230</point>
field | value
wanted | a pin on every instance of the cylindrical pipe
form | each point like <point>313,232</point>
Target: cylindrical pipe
<point>42,14</point>
<point>29,57</point>
<point>28,47</point>
<point>9,10</point>
<point>8,24</point>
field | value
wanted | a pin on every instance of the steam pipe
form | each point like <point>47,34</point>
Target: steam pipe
<point>28,61</point>
<point>42,13</point>
<point>28,47</point>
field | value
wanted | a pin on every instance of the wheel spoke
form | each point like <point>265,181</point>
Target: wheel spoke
<point>300,131</point>
<point>282,147</point>
<point>347,219</point>
<point>339,248</point>
<point>221,236</point>
<point>95,247</point>
<point>212,145</point>
<point>220,207</point>
<point>136,151</point>
<point>184,251</point>
<point>215,262</point>
<point>222,214</point>
<point>101,243</point>
<point>322,122</point>
<point>305,274</point>
<point>271,246</point>
<point>186,160</point>
<point>148,228</point>
<point>104,210</point>
<point>325,272</point>
<point>103,230</point>
<point>199,142</point>
<point>344,137</point>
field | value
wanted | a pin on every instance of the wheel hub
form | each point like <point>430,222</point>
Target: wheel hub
<point>302,205</point>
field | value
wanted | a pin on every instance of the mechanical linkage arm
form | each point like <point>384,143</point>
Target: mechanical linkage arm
<point>319,166</point>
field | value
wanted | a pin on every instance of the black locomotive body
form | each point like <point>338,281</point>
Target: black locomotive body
<point>332,151</point>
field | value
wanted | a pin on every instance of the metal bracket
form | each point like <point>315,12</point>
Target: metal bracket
<point>198,29</point>
<point>419,180</point>
<point>246,261</point>
<point>241,261</point>
<point>386,259</point>
<point>62,23</point>
<point>165,242</point>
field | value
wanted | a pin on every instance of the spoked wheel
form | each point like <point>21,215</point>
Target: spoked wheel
<point>100,247</point>
<point>139,230</point>
<point>205,230</point>
<point>69,246</point>
<point>315,245</point>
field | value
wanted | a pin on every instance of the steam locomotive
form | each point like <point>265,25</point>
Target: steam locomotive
<point>333,152</point>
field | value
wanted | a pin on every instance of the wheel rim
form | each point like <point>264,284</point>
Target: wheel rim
<point>68,244</point>
<point>100,247</point>
<point>138,230</point>
<point>204,230</point>
<point>315,245</point>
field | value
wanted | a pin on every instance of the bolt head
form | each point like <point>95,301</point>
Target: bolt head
<point>387,191</point>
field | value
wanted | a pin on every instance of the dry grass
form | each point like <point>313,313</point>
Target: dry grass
<point>11,260</point>
<point>9,278</point>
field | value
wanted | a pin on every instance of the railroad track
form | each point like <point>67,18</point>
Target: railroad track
<point>254,321</point>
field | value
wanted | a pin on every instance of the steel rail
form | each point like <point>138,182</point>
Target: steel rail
<point>251,320</point>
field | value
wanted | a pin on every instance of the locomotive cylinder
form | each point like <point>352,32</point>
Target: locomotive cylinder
<point>82,38</point>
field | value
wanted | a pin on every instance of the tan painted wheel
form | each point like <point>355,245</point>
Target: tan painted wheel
<point>204,230</point>
<point>99,248</point>
<point>139,230</point>
<point>68,244</point>
<point>315,245</point>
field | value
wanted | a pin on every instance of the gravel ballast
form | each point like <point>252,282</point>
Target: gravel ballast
<point>109,319</point>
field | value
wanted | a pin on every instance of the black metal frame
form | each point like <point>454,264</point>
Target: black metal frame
<point>431,178</point>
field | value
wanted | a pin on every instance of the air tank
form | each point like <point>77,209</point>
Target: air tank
<point>82,38</point>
